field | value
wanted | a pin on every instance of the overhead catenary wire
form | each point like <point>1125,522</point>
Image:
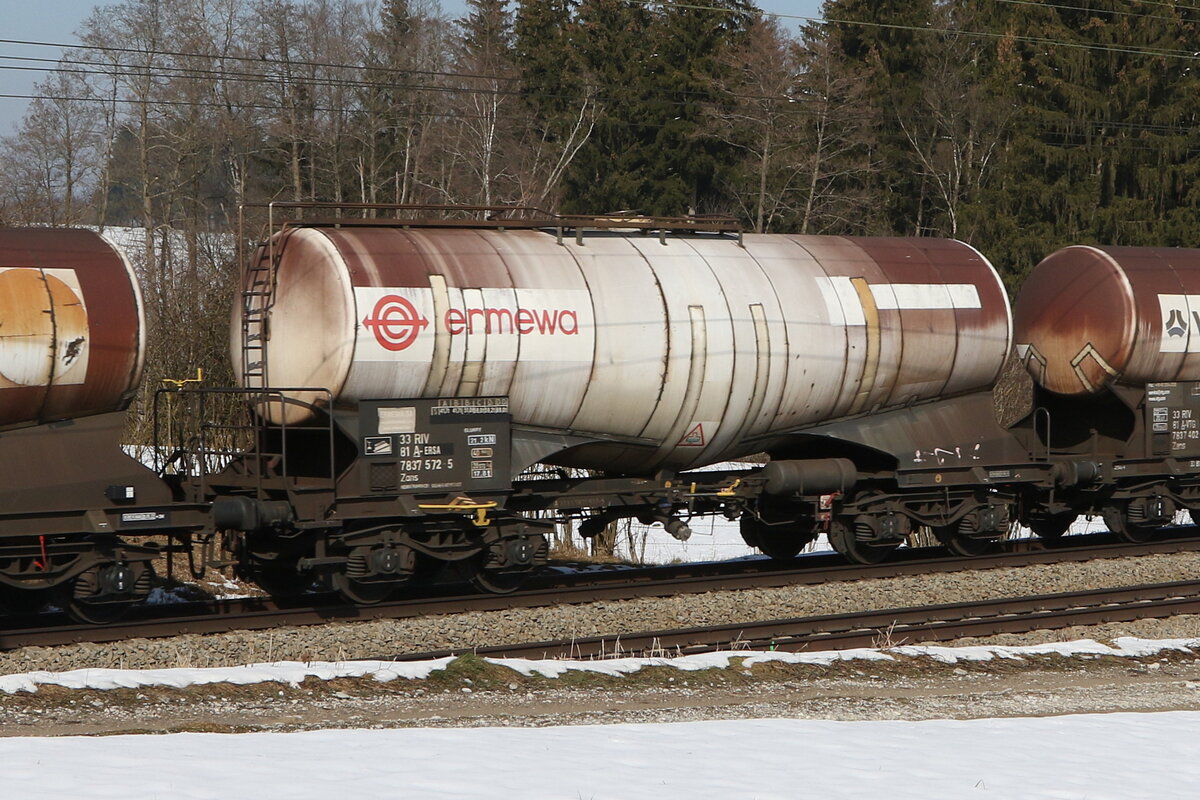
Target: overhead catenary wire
<point>1162,52</point>
<point>260,79</point>
<point>243,58</point>
<point>1112,11</point>
<point>384,69</point>
<point>150,72</point>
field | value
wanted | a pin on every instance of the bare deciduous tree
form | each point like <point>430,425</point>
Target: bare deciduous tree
<point>957,129</point>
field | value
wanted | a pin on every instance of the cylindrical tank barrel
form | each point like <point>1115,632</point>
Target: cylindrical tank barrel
<point>669,353</point>
<point>72,339</point>
<point>1090,316</point>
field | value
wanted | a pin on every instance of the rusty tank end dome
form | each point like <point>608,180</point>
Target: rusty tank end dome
<point>665,353</point>
<point>73,339</point>
<point>1090,316</point>
<point>320,320</point>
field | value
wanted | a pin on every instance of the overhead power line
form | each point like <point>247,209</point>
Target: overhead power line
<point>183,71</point>
<point>382,69</point>
<point>258,79</point>
<point>151,71</point>
<point>283,62</point>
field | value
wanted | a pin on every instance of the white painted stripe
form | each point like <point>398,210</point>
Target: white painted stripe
<point>1180,330</point>
<point>845,306</point>
<point>914,296</point>
<point>841,300</point>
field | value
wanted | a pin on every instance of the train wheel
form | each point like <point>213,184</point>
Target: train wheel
<point>961,544</point>
<point>103,593</point>
<point>23,601</point>
<point>503,566</point>
<point>780,542</point>
<point>749,532</point>
<point>363,593</point>
<point>373,572</point>
<point>499,582</point>
<point>1052,527</point>
<point>781,545</point>
<point>841,536</point>
<point>280,580</point>
<point>1118,522</point>
<point>96,613</point>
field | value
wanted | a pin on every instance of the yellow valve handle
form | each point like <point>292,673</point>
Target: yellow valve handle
<point>179,384</point>
<point>479,518</point>
<point>728,491</point>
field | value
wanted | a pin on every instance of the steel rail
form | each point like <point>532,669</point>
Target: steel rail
<point>260,613</point>
<point>888,627</point>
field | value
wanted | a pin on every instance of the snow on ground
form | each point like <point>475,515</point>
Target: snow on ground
<point>1080,757</point>
<point>294,672</point>
<point>1092,757</point>
<point>718,539</point>
<point>713,539</point>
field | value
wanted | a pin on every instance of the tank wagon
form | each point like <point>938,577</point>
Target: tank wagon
<point>1109,336</point>
<point>427,399</point>
<point>72,343</point>
<point>437,367</point>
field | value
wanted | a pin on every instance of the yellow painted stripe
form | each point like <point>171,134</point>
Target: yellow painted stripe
<point>871,361</point>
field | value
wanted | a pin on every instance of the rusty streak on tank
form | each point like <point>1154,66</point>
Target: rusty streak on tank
<point>1090,316</point>
<point>71,326</point>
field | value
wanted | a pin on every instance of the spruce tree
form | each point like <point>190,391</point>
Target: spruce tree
<point>551,83</point>
<point>690,43</point>
<point>610,172</point>
<point>887,42</point>
<point>1101,153</point>
<point>654,70</point>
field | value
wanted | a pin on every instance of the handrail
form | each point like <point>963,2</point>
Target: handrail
<point>253,396</point>
<point>498,216</point>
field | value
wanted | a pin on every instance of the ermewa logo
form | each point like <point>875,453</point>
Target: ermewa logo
<point>1180,323</point>
<point>396,322</point>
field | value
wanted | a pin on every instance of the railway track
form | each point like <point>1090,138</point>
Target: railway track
<point>547,590</point>
<point>890,627</point>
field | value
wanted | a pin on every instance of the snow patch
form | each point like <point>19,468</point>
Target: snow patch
<point>293,672</point>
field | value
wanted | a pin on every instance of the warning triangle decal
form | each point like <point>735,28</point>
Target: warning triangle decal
<point>694,437</point>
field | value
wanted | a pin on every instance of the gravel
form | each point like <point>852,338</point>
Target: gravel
<point>385,638</point>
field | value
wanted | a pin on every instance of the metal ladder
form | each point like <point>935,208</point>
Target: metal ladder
<point>258,290</point>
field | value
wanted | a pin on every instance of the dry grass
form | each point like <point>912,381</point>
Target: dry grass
<point>1013,393</point>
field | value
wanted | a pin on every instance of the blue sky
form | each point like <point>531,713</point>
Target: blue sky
<point>58,21</point>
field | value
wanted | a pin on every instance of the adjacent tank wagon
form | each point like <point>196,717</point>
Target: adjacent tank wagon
<point>73,335</point>
<point>80,521</point>
<point>1088,317</point>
